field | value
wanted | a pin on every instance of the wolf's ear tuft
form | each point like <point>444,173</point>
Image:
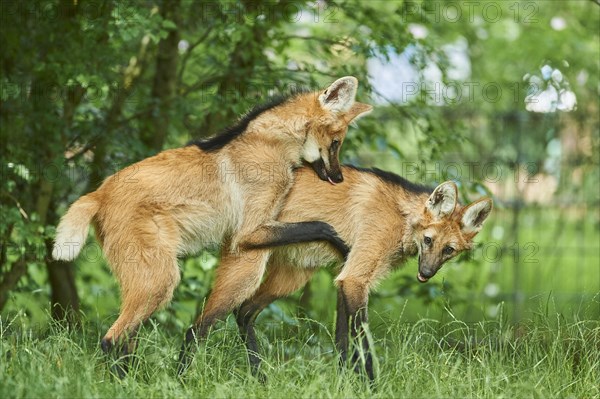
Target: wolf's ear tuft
<point>339,97</point>
<point>475,214</point>
<point>442,201</point>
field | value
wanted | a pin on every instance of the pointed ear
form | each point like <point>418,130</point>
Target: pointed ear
<point>356,111</point>
<point>339,97</point>
<point>443,200</point>
<point>475,214</point>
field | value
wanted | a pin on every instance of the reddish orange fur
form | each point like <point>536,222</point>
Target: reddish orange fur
<point>382,222</point>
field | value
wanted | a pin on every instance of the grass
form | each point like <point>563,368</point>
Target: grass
<point>543,358</point>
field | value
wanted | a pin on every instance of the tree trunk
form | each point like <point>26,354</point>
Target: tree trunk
<point>165,79</point>
<point>11,278</point>
<point>64,299</point>
<point>62,283</point>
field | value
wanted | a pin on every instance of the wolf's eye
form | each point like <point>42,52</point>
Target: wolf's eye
<point>427,240</point>
<point>448,250</point>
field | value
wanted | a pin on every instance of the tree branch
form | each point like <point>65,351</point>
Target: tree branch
<point>317,39</point>
<point>18,204</point>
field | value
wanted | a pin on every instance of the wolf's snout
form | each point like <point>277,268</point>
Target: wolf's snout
<point>335,177</point>
<point>422,278</point>
<point>424,274</point>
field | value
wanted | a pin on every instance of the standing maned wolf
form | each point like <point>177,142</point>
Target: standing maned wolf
<point>226,189</point>
<point>385,219</point>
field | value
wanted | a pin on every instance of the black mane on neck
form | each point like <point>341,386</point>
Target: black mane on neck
<point>226,136</point>
<point>395,179</point>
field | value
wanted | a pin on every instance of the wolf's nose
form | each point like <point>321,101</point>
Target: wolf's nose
<point>337,177</point>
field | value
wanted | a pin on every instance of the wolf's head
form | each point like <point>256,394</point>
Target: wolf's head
<point>445,229</point>
<point>331,111</point>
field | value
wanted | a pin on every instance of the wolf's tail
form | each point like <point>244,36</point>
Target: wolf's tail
<point>72,230</point>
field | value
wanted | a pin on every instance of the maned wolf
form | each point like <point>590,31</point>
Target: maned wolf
<point>227,189</point>
<point>385,219</point>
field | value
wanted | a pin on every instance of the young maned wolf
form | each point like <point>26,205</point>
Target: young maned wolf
<point>385,219</point>
<point>227,189</point>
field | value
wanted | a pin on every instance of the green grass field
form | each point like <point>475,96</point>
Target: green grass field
<point>545,358</point>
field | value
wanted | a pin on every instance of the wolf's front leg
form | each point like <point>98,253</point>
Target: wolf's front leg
<point>365,265</point>
<point>278,234</point>
<point>352,318</point>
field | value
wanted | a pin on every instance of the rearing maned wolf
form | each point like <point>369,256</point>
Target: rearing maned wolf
<point>385,219</point>
<point>226,189</point>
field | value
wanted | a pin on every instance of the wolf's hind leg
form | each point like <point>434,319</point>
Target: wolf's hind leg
<point>145,288</point>
<point>237,278</point>
<point>281,281</point>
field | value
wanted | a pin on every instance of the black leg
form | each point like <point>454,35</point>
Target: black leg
<point>352,315</point>
<point>245,317</point>
<point>301,232</point>
<point>341,328</point>
<point>193,336</point>
<point>280,281</point>
<point>120,355</point>
<point>186,354</point>
<point>360,336</point>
